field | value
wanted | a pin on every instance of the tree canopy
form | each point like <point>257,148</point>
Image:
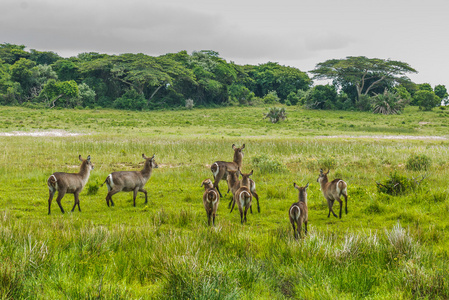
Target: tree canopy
<point>362,73</point>
<point>139,81</point>
<point>203,78</point>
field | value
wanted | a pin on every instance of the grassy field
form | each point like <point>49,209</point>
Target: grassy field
<point>385,247</point>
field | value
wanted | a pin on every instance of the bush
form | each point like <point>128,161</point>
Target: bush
<point>271,98</point>
<point>240,94</point>
<point>364,103</point>
<point>426,100</point>
<point>266,164</point>
<point>276,114</point>
<point>388,103</point>
<point>292,98</point>
<point>131,99</point>
<point>321,97</point>
<point>396,185</point>
<point>418,162</point>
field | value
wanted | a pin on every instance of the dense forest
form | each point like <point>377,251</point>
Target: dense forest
<point>204,79</point>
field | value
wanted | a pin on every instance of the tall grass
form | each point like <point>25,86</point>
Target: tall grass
<point>386,247</point>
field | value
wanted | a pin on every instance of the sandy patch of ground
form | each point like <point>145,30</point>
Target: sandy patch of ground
<point>57,133</point>
<point>387,137</point>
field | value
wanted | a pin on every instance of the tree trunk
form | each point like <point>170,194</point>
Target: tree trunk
<point>154,93</point>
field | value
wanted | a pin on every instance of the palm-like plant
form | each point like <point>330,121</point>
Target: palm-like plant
<point>276,114</point>
<point>388,103</point>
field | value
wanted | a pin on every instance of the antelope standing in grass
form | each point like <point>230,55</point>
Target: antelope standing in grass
<point>130,181</point>
<point>72,183</point>
<point>298,212</point>
<point>332,191</point>
<point>220,168</point>
<point>243,196</point>
<point>211,198</point>
<point>234,185</point>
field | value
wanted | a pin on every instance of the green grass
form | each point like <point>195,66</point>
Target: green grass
<point>386,247</point>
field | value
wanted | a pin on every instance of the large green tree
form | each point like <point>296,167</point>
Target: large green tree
<point>11,53</point>
<point>362,73</point>
<point>441,91</point>
<point>274,77</point>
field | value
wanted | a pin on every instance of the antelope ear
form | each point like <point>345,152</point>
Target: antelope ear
<point>328,172</point>
<point>88,158</point>
<point>144,156</point>
<point>307,185</point>
<point>80,158</point>
<point>202,184</point>
<point>243,147</point>
<point>295,185</point>
<point>153,156</point>
<point>233,146</point>
<point>251,173</point>
<point>321,171</point>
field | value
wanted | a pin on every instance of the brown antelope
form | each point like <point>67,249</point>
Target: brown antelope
<point>332,191</point>
<point>234,185</point>
<point>72,183</point>
<point>298,212</point>
<point>220,168</point>
<point>128,181</point>
<point>243,197</point>
<point>211,198</point>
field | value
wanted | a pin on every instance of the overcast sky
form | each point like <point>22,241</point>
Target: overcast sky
<point>298,33</point>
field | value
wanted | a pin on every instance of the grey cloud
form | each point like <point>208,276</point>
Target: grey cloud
<point>327,41</point>
<point>136,26</point>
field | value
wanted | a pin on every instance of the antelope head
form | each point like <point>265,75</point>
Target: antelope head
<point>150,161</point>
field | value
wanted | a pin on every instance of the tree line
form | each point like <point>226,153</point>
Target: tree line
<point>204,79</point>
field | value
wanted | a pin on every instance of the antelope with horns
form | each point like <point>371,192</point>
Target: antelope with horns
<point>298,212</point>
<point>243,196</point>
<point>128,181</point>
<point>72,183</point>
<point>220,168</point>
<point>211,198</point>
<point>332,191</point>
<point>234,185</point>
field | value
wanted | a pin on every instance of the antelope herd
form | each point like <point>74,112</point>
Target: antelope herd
<point>242,190</point>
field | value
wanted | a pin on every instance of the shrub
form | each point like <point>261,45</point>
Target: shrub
<point>397,184</point>
<point>292,98</point>
<point>426,100</point>
<point>418,162</point>
<point>131,99</point>
<point>276,114</point>
<point>266,164</point>
<point>271,98</point>
<point>364,103</point>
<point>321,97</point>
<point>388,103</point>
<point>240,94</point>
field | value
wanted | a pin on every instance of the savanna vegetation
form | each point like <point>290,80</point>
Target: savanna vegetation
<point>204,79</point>
<point>389,245</point>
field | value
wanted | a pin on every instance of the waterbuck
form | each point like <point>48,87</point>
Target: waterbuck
<point>243,197</point>
<point>72,183</point>
<point>220,168</point>
<point>128,181</point>
<point>332,191</point>
<point>234,185</point>
<point>211,198</point>
<point>298,212</point>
